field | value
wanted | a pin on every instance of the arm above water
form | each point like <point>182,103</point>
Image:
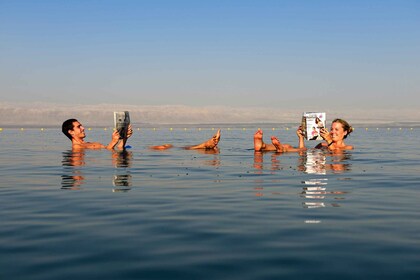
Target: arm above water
<point>122,142</point>
<point>114,140</point>
<point>301,138</point>
<point>330,144</point>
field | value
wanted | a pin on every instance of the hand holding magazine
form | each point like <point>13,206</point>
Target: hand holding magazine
<point>311,125</point>
<point>121,123</point>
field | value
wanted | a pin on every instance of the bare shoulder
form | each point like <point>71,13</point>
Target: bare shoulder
<point>93,145</point>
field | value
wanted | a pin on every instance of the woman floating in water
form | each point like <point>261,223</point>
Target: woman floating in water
<point>334,140</point>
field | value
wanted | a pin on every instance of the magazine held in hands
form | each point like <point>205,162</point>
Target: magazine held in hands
<point>311,125</point>
<point>121,122</point>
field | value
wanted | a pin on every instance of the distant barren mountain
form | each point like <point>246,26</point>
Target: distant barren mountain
<point>45,114</point>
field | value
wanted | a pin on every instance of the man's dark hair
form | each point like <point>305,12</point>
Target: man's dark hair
<point>68,125</point>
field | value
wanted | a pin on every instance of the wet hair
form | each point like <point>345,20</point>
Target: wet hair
<point>345,125</point>
<point>68,125</point>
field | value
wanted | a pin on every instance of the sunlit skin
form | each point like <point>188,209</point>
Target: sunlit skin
<point>210,144</point>
<point>260,146</point>
<point>77,158</point>
<point>161,147</point>
<point>78,135</point>
<point>335,138</point>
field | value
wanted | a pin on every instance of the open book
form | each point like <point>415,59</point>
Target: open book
<point>311,125</point>
<point>121,122</point>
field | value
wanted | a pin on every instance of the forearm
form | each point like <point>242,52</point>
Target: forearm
<point>330,144</point>
<point>121,144</point>
<point>301,138</point>
<point>114,140</point>
<point>112,144</point>
<point>301,143</point>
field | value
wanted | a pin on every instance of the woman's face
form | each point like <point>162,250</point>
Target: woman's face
<point>337,131</point>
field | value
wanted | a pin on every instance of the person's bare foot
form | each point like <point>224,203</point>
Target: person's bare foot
<point>277,144</point>
<point>212,143</point>
<point>209,144</point>
<point>258,140</point>
<point>161,147</point>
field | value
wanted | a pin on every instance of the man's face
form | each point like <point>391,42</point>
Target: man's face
<point>78,131</point>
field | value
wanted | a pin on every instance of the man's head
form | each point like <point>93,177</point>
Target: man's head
<point>72,128</point>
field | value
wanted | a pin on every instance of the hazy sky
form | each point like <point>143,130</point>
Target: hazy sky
<point>274,54</point>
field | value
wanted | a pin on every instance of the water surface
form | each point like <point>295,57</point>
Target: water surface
<point>236,214</point>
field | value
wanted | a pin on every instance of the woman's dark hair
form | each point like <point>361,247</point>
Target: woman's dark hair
<point>345,125</point>
<point>68,125</point>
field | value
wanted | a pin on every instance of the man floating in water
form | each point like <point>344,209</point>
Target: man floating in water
<point>75,131</point>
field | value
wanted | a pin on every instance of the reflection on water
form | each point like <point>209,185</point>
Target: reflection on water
<point>215,161</point>
<point>340,162</point>
<point>275,163</point>
<point>320,162</point>
<point>317,162</point>
<point>122,159</point>
<point>258,161</point>
<point>73,177</point>
<point>315,193</point>
<point>73,158</point>
<point>122,179</point>
<point>314,161</point>
<point>122,183</point>
<point>74,163</point>
<point>71,182</point>
<point>158,231</point>
<point>258,164</point>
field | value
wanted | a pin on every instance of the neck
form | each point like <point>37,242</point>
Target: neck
<point>340,143</point>
<point>76,141</point>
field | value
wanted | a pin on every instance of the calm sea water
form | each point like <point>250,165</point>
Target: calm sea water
<point>180,214</point>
